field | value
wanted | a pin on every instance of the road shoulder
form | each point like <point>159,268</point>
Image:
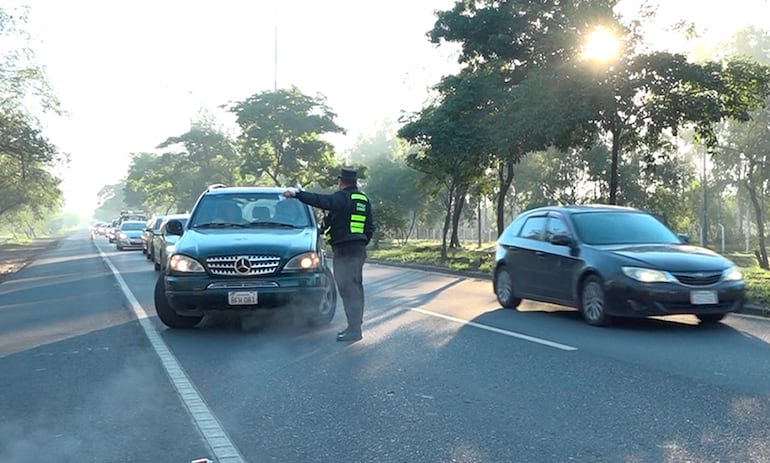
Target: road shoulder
<point>14,257</point>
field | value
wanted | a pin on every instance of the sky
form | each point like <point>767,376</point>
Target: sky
<point>131,74</point>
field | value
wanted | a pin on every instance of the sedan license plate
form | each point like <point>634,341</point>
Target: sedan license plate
<point>242,298</point>
<point>703,297</point>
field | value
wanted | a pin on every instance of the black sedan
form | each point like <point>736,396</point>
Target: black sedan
<point>610,261</point>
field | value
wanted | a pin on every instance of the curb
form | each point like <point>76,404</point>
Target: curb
<point>749,309</point>
<point>432,268</point>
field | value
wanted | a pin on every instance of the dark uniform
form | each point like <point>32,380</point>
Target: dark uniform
<point>348,226</point>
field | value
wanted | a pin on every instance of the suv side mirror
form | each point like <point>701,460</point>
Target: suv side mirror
<point>174,227</point>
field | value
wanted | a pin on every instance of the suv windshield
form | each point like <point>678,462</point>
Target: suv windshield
<point>607,228</point>
<point>249,210</point>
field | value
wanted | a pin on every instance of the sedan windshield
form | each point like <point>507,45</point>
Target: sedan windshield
<point>608,228</point>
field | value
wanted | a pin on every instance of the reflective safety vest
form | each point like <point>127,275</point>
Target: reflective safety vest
<point>358,215</point>
<point>350,225</point>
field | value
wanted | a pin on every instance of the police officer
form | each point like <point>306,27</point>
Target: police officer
<point>349,227</point>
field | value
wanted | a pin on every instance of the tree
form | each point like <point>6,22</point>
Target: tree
<point>743,154</point>
<point>281,136</point>
<point>383,143</point>
<point>503,41</point>
<point>111,202</point>
<point>748,145</point>
<point>451,146</point>
<point>27,157</point>
<point>397,195</point>
<point>22,80</point>
<point>152,180</point>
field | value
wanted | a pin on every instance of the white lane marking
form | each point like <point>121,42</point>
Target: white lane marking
<point>513,334</point>
<point>213,434</point>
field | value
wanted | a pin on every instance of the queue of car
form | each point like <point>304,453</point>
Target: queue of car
<point>133,231</point>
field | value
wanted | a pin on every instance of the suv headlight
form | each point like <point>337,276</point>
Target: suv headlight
<point>647,275</point>
<point>184,264</point>
<point>306,261</point>
<point>732,274</point>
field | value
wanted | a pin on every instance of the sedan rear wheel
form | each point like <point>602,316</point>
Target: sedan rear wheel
<point>593,305</point>
<point>504,289</point>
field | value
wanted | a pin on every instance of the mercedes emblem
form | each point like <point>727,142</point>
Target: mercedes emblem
<point>242,265</point>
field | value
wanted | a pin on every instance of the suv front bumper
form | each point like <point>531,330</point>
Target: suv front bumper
<point>198,294</point>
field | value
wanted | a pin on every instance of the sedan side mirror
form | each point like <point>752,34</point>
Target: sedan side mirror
<point>174,227</point>
<point>685,238</point>
<point>561,240</point>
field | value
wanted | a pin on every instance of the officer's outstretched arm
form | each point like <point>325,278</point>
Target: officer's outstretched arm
<point>331,202</point>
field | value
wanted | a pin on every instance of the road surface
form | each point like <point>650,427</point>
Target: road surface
<point>443,374</point>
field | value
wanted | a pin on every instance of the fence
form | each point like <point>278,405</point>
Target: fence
<point>465,234</point>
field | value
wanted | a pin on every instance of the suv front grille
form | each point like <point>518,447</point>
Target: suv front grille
<point>243,265</point>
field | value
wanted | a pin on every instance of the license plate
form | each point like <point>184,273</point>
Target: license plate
<point>242,298</point>
<point>703,297</point>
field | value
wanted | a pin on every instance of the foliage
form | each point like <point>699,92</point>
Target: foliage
<point>757,285</point>
<point>112,200</point>
<point>451,145</point>
<point>27,157</point>
<point>281,136</point>
<point>397,197</point>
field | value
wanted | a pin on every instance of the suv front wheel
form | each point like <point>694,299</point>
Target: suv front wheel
<point>321,311</point>
<point>167,314</point>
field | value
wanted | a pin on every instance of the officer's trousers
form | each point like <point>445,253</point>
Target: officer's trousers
<point>348,271</point>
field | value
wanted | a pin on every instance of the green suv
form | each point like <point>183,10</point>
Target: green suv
<point>244,249</point>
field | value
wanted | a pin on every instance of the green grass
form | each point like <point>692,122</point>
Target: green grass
<point>757,285</point>
<point>471,257</point>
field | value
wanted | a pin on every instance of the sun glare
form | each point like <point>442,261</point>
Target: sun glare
<point>601,45</point>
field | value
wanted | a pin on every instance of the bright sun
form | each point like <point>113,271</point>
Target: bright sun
<point>601,45</point>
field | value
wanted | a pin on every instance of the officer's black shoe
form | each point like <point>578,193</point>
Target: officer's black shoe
<point>349,336</point>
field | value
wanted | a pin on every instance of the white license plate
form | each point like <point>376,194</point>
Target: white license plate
<point>703,297</point>
<point>242,298</point>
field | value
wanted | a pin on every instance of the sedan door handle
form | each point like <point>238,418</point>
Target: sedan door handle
<point>539,253</point>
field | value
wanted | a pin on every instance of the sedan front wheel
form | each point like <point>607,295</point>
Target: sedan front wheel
<point>593,305</point>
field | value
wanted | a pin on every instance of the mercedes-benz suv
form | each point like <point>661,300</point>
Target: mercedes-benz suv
<point>244,249</point>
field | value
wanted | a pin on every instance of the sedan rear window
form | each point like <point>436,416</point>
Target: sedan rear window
<point>608,228</point>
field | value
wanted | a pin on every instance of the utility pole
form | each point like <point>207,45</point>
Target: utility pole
<point>275,52</point>
<point>704,205</point>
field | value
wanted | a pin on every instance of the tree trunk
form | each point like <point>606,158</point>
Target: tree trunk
<point>760,220</point>
<point>460,194</point>
<point>447,221</point>
<point>614,166</point>
<point>505,180</point>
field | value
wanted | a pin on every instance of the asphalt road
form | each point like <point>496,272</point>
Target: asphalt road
<point>443,374</point>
